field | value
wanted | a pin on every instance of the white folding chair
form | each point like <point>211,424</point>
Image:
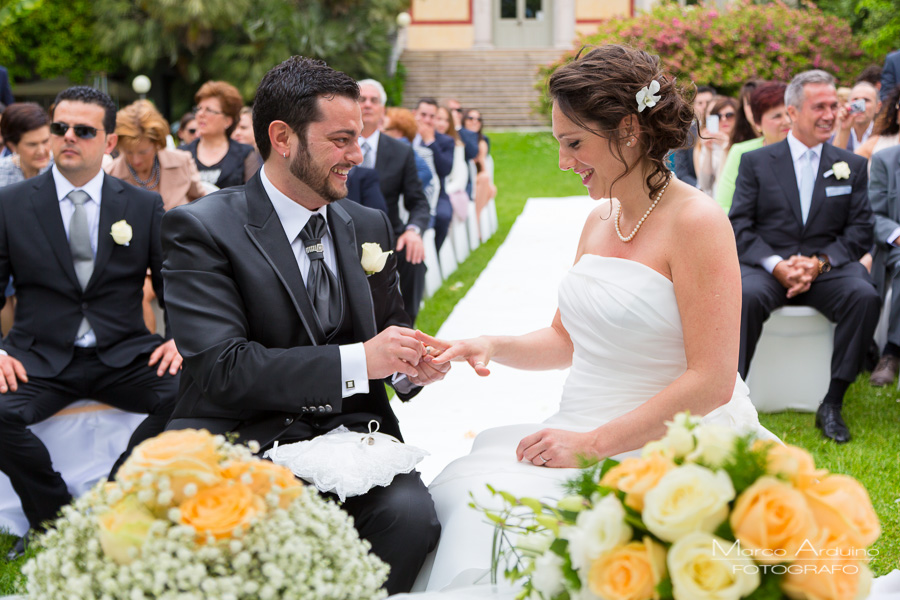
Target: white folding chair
<point>433,279</point>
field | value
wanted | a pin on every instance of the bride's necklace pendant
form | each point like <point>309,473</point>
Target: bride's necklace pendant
<point>629,237</point>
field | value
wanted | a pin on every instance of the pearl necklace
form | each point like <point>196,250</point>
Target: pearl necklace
<point>630,237</point>
<point>152,181</point>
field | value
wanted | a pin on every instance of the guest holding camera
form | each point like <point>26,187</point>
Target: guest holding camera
<point>856,119</point>
<point>711,148</point>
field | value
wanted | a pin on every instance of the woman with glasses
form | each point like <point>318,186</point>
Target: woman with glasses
<point>145,162</point>
<point>711,148</point>
<point>187,129</point>
<point>222,162</point>
<point>485,189</point>
<point>25,129</point>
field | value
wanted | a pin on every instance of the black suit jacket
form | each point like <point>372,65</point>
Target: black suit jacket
<point>6,95</point>
<point>34,250</point>
<point>364,187</point>
<point>765,212</point>
<point>396,166</point>
<point>890,74</point>
<point>255,358</point>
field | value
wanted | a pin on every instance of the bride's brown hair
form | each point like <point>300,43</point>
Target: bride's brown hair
<point>600,87</point>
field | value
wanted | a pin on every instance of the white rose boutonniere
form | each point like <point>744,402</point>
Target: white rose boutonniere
<point>840,170</point>
<point>373,258</point>
<point>121,232</point>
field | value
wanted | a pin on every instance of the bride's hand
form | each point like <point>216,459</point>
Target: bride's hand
<point>476,351</point>
<point>556,448</point>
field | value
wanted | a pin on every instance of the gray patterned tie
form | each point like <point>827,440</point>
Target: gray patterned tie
<point>321,284</point>
<point>368,161</point>
<point>807,184</point>
<point>80,244</point>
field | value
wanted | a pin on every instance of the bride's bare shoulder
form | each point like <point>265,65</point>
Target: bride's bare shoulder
<point>697,213</point>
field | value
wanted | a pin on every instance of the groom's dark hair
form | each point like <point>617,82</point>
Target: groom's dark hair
<point>290,92</point>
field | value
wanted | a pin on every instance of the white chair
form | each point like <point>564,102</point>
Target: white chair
<point>472,228</point>
<point>459,237</point>
<point>447,258</point>
<point>791,367</point>
<point>484,224</point>
<point>84,441</point>
<point>433,278</point>
<point>881,332</point>
<point>491,209</point>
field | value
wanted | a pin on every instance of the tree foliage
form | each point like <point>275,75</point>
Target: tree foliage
<point>51,38</point>
<point>749,41</point>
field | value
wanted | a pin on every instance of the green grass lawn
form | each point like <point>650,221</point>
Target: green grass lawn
<point>526,166</point>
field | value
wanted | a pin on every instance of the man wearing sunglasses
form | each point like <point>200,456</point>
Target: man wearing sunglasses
<point>79,244</point>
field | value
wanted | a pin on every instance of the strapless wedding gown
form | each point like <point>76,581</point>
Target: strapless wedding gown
<point>626,330</point>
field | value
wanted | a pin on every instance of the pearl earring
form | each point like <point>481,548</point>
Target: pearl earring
<point>628,143</point>
<point>284,154</point>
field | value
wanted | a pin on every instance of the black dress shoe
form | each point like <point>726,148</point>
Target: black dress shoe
<point>829,420</point>
<point>18,550</point>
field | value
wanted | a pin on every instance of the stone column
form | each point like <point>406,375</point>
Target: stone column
<point>563,23</point>
<point>483,24</point>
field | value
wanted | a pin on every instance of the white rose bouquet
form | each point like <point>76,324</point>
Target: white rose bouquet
<point>702,514</point>
<point>191,516</point>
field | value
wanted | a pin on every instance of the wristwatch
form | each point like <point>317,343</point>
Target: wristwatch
<point>415,228</point>
<point>824,264</point>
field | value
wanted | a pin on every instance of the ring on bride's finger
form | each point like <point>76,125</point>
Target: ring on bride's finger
<point>544,461</point>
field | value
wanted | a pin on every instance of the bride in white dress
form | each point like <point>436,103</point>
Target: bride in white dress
<point>648,316</point>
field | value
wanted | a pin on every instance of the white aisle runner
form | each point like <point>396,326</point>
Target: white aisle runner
<point>516,293</point>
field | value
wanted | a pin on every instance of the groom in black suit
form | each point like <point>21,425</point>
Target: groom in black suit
<point>802,221</point>
<point>79,244</point>
<point>284,334</point>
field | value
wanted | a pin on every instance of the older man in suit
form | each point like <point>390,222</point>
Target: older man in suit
<point>79,244</point>
<point>802,221</point>
<point>396,166</point>
<point>285,335</point>
<point>884,195</point>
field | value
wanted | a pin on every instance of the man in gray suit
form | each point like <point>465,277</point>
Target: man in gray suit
<point>884,195</point>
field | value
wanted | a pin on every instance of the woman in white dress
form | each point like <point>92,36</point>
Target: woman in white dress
<point>648,318</point>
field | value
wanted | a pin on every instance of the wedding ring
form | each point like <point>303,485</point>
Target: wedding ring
<point>544,461</point>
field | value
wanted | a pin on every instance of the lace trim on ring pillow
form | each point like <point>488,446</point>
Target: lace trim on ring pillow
<point>348,463</point>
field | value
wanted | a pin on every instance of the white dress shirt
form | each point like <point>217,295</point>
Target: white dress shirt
<point>293,217</point>
<point>94,189</point>
<point>798,150</point>
<point>372,140</point>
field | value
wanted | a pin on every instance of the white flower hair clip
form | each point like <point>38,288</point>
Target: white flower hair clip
<point>646,98</point>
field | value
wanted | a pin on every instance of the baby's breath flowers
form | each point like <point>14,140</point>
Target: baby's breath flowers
<point>191,516</point>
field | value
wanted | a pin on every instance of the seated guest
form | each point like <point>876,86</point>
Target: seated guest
<point>243,133</point>
<point>221,161</point>
<point>887,126</point>
<point>712,145</point>
<point>884,195</point>
<point>80,243</point>
<point>890,74</point>
<point>364,187</point>
<point>25,129</point>
<point>768,110</point>
<point>800,233</point>
<point>145,162</point>
<point>871,74</point>
<point>853,128</point>
<point>458,179</point>
<point>400,124</point>
<point>442,147</point>
<point>684,157</point>
<point>187,129</point>
<point>485,190</point>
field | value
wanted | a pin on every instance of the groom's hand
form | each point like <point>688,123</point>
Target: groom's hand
<point>429,371</point>
<point>394,350</point>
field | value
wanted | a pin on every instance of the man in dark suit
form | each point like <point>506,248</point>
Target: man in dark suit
<point>284,334</point>
<point>442,146</point>
<point>396,166</point>
<point>6,95</point>
<point>364,187</point>
<point>79,244</point>
<point>802,221</point>
<point>884,195</point>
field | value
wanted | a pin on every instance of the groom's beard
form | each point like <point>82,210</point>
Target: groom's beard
<point>317,178</point>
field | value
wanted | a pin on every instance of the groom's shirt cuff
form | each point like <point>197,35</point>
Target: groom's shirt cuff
<point>354,372</point>
<point>770,262</point>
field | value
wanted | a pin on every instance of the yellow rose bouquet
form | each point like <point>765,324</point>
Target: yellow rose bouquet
<point>702,514</point>
<point>192,516</point>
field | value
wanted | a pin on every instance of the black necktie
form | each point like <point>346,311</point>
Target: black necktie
<point>321,284</point>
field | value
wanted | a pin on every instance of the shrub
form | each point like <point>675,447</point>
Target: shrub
<point>725,49</point>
